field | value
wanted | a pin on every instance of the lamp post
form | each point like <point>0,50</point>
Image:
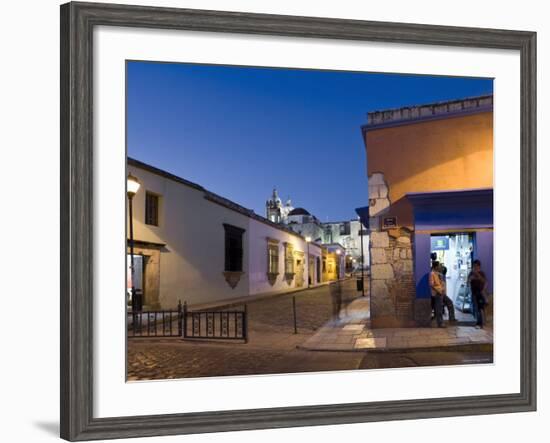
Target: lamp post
<point>338,253</point>
<point>308,240</point>
<point>132,187</point>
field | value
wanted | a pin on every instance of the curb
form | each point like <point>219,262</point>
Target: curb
<point>472,347</point>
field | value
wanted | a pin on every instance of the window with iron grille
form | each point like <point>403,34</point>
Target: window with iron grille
<point>272,257</point>
<point>289,258</point>
<point>233,248</point>
<point>151,209</point>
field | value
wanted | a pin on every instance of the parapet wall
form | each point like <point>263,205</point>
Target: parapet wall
<point>406,114</point>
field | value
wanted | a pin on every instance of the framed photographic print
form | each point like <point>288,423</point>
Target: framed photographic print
<point>273,221</point>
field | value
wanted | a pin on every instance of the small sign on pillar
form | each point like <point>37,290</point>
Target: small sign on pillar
<point>389,222</point>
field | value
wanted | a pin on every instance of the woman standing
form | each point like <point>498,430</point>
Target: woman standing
<point>478,283</point>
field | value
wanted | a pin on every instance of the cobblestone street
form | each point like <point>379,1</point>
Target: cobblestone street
<point>162,360</point>
<point>272,346</point>
<point>313,307</point>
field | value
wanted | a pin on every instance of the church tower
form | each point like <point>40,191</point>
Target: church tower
<point>275,211</point>
<point>273,208</point>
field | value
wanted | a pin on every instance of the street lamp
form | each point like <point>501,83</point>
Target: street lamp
<point>308,241</point>
<point>132,187</point>
<point>338,252</point>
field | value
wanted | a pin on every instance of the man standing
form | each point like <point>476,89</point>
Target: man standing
<point>436,288</point>
<point>446,300</point>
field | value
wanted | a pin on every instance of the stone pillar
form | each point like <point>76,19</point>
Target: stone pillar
<point>391,264</point>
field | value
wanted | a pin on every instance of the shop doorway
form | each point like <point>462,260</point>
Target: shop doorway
<point>139,264</point>
<point>318,261</point>
<point>455,252</point>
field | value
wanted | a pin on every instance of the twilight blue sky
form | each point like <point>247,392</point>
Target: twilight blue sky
<point>239,131</point>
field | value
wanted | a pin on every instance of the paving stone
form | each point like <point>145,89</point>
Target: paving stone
<point>370,343</point>
<point>353,327</point>
<point>344,339</point>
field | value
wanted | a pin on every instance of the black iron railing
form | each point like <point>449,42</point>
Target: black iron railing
<point>155,323</point>
<point>225,325</point>
<point>220,325</point>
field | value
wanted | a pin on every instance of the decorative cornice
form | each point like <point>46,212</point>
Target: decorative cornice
<point>232,278</point>
<point>146,243</point>
<point>432,111</point>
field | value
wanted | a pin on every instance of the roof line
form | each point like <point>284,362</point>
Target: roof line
<point>432,111</point>
<point>163,173</point>
<point>437,103</point>
<point>211,196</point>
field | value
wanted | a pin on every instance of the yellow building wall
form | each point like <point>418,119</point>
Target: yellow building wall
<point>446,154</point>
<point>330,274</point>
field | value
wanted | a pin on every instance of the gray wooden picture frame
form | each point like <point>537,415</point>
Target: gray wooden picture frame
<point>77,217</point>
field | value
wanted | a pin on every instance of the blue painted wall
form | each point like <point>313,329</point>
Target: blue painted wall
<point>450,212</point>
<point>466,209</point>
<point>483,251</point>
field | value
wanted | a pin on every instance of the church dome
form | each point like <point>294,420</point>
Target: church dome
<point>299,211</point>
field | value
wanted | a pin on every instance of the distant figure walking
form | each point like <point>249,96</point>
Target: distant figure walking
<point>436,288</point>
<point>447,302</point>
<point>478,285</point>
<point>336,295</point>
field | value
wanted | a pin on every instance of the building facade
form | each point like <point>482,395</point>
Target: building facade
<point>348,234</point>
<point>430,174</point>
<point>193,245</point>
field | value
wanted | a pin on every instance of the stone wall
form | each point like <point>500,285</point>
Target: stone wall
<point>393,289</point>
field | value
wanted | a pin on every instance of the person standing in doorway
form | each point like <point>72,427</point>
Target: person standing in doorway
<point>436,289</point>
<point>446,301</point>
<point>478,284</point>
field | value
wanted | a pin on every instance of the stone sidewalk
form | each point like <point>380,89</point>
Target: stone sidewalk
<point>353,333</point>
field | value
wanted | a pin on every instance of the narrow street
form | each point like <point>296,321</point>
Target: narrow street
<point>272,347</point>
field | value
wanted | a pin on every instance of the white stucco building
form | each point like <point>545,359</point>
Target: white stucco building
<point>300,220</point>
<point>193,245</point>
